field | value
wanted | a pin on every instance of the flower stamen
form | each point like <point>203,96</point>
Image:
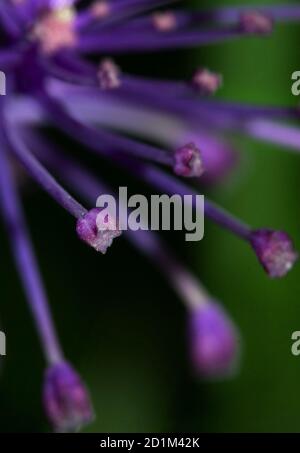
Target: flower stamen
<point>55,30</point>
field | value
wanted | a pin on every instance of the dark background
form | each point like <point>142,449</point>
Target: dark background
<point>122,325</point>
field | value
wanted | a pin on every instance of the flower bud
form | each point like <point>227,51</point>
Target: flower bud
<point>206,82</point>
<point>188,161</point>
<point>66,400</point>
<point>274,250</point>
<point>109,75</point>
<point>214,341</point>
<point>96,231</point>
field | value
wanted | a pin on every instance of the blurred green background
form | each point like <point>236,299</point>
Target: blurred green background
<point>122,325</point>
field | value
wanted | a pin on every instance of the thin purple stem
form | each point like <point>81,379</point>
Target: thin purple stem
<point>7,20</point>
<point>9,57</point>
<point>26,261</point>
<point>231,14</point>
<point>142,42</point>
<point>273,132</point>
<point>168,184</point>
<point>120,10</point>
<point>102,140</point>
<point>222,16</point>
<point>40,174</point>
<point>167,95</point>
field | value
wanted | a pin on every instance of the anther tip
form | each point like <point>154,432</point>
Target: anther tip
<point>96,231</point>
<point>275,251</point>
<point>188,161</point>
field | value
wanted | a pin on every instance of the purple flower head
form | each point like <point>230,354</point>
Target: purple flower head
<point>275,251</point>
<point>66,400</point>
<point>214,343</point>
<point>188,161</point>
<point>96,231</point>
<point>47,51</point>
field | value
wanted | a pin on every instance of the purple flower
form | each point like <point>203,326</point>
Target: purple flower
<point>214,341</point>
<point>175,131</point>
<point>66,399</point>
